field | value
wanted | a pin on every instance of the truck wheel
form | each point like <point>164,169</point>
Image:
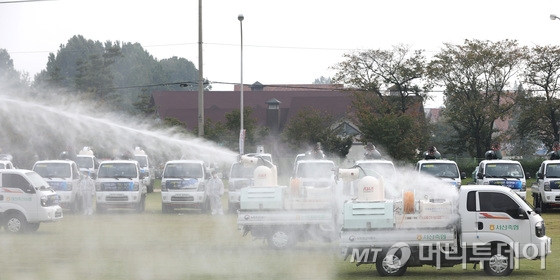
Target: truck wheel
<point>281,238</point>
<point>141,205</point>
<point>33,227</point>
<point>100,209</point>
<point>535,201</point>
<point>542,205</point>
<point>164,208</point>
<point>499,264</point>
<point>16,223</point>
<point>205,207</point>
<point>390,264</point>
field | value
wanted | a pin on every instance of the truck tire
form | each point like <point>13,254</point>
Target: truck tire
<point>100,209</point>
<point>33,227</point>
<point>538,203</point>
<point>390,264</point>
<point>281,238</point>
<point>141,205</point>
<point>499,264</point>
<point>15,223</point>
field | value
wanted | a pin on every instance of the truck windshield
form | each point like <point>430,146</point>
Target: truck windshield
<point>84,162</point>
<point>553,170</point>
<point>238,170</point>
<point>442,170</point>
<point>53,170</point>
<point>37,180</point>
<point>504,170</point>
<point>183,170</point>
<point>315,170</point>
<point>142,161</point>
<point>118,170</point>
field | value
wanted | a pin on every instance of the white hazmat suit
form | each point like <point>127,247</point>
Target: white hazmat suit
<point>87,189</point>
<point>215,190</point>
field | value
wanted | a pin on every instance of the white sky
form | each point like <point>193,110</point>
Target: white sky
<point>285,42</point>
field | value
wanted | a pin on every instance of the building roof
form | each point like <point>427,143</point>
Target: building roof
<point>183,105</point>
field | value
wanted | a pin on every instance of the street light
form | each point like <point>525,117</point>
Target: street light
<point>553,17</point>
<point>241,131</point>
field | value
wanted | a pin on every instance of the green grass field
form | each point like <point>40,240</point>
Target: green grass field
<point>190,245</point>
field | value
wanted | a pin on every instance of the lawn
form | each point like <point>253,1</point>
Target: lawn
<point>190,245</point>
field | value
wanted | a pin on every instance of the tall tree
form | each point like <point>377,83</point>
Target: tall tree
<point>540,106</point>
<point>475,76</point>
<point>388,97</point>
<point>9,76</point>
<point>311,126</point>
<point>95,75</point>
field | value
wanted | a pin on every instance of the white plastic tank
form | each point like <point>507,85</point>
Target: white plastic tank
<point>263,177</point>
<point>371,189</point>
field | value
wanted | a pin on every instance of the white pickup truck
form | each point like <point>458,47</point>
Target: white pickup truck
<point>487,224</point>
<point>119,184</point>
<point>26,200</point>
<point>183,185</point>
<point>64,177</point>
<point>546,191</point>
<point>508,173</point>
<point>446,170</point>
<point>285,215</point>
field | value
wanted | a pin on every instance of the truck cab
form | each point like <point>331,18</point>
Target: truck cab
<point>64,177</point>
<point>6,164</point>
<point>240,176</point>
<point>446,170</point>
<point>26,200</point>
<point>508,173</point>
<point>119,184</point>
<point>86,161</point>
<point>145,168</point>
<point>546,191</point>
<point>183,185</point>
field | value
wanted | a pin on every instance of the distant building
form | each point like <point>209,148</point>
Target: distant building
<point>273,105</point>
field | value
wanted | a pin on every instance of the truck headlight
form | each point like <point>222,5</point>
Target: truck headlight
<point>546,186</point>
<point>163,186</point>
<point>44,200</point>
<point>540,229</point>
<point>136,186</point>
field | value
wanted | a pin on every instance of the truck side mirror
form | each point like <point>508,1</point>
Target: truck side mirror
<point>479,175</point>
<point>93,176</point>
<point>539,175</point>
<point>463,175</point>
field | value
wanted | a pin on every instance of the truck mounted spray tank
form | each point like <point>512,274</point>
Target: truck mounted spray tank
<point>486,224</point>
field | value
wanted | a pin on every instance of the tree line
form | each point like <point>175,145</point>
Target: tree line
<point>482,82</point>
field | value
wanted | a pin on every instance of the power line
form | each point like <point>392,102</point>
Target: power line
<point>23,1</point>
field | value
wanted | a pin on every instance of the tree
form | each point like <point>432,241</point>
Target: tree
<point>322,81</point>
<point>311,126</point>
<point>233,125</point>
<point>95,75</point>
<point>475,76</point>
<point>9,76</point>
<point>388,97</point>
<point>540,106</point>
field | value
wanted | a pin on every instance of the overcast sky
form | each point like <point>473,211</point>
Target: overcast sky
<point>285,42</point>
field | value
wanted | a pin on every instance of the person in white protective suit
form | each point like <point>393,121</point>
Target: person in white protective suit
<point>87,189</point>
<point>215,190</point>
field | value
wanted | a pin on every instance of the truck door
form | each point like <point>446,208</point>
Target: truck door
<point>17,190</point>
<point>499,218</point>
